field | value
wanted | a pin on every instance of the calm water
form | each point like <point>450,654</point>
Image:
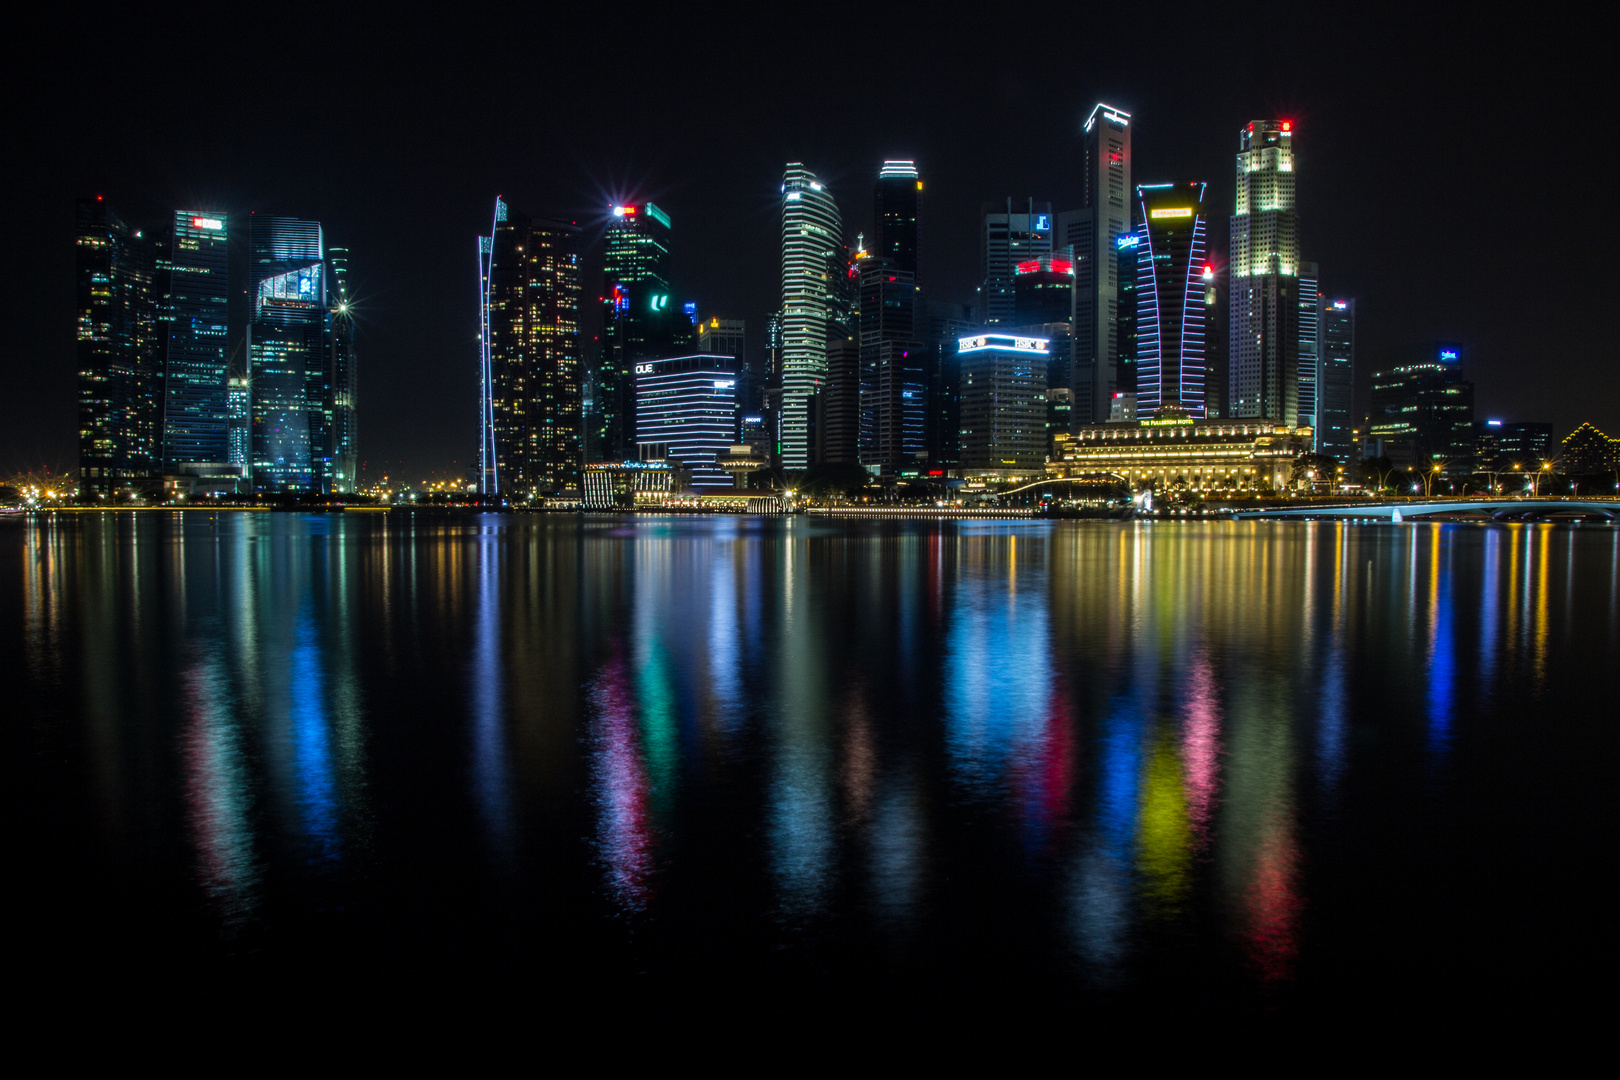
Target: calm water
<point>1266,765</point>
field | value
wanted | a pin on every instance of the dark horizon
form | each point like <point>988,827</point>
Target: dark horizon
<point>1418,143</point>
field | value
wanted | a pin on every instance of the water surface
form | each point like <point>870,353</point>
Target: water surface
<point>1261,765</point>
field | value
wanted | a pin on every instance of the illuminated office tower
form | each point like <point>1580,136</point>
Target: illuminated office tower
<point>1310,345</point>
<point>686,412</point>
<point>288,353</point>
<point>892,388</point>
<point>1263,286</point>
<point>1335,378</point>
<point>1422,412</point>
<point>896,212</point>
<point>532,413</point>
<point>342,379</point>
<point>119,349</point>
<point>1043,292</point>
<point>1172,273</point>
<point>195,425</point>
<point>1092,236</point>
<point>814,271</point>
<point>239,409</point>
<point>1009,236</point>
<point>1003,404</point>
<point>639,322</point>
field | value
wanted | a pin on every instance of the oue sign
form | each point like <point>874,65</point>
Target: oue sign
<point>643,369</point>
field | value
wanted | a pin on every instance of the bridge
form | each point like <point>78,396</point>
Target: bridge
<point>1408,509</point>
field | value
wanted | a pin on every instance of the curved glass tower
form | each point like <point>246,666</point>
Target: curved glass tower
<point>1171,301</point>
<point>812,269</point>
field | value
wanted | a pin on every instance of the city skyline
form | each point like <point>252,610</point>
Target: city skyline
<point>1024,140</point>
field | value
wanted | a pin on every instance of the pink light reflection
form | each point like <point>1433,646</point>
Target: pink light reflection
<point>623,831</point>
<point>1201,747</point>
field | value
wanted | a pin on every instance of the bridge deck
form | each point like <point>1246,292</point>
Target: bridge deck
<point>1407,509</point>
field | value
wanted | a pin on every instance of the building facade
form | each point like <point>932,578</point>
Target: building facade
<point>1335,379</point>
<point>119,350</point>
<point>195,410</point>
<point>533,407</point>
<point>1263,278</point>
<point>343,379</point>
<point>1423,413</point>
<point>1003,404</point>
<point>1586,450</point>
<point>686,413</point>
<point>1092,236</point>
<point>814,279</point>
<point>1309,321</point>
<point>1173,282</point>
<point>897,215</point>
<point>288,348</point>
<point>640,322</point>
<point>1009,236</point>
<point>1170,454</point>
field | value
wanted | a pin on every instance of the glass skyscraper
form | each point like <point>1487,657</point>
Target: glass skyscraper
<point>1092,236</point>
<point>1171,309</point>
<point>1335,375</point>
<point>533,409</point>
<point>1003,392</point>
<point>897,211</point>
<point>814,275</point>
<point>196,424</point>
<point>1310,345</point>
<point>343,379</point>
<point>686,412</point>
<point>1263,291</point>
<point>1010,236</point>
<point>119,350</point>
<point>639,322</point>
<point>288,349</point>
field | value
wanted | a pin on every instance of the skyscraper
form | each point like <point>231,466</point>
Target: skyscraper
<point>1009,236</point>
<point>814,269</point>
<point>1263,290</point>
<point>1003,392</point>
<point>1335,375</point>
<point>288,354</point>
<point>896,212</point>
<point>533,409</point>
<point>686,412</point>
<point>195,425</point>
<point>1171,313</point>
<point>1310,345</point>
<point>639,322</point>
<point>119,351</point>
<point>1092,234</point>
<point>1423,411</point>
<point>342,379</point>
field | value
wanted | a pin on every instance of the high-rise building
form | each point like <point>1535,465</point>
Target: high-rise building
<point>195,423</point>
<point>1003,410</point>
<point>1310,344</point>
<point>943,325</point>
<point>1009,236</point>
<point>893,394</point>
<point>837,413</point>
<point>289,353</point>
<point>1498,445</point>
<point>1092,236</point>
<point>1043,292</point>
<point>814,279</point>
<point>119,350</point>
<point>342,379</point>
<point>639,322</point>
<point>533,410</point>
<point>1423,412</point>
<point>1335,379</point>
<point>1172,310</point>
<point>686,412</point>
<point>1263,287</point>
<point>896,212</point>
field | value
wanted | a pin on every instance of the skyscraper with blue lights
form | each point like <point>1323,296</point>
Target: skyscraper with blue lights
<point>1172,285</point>
<point>288,347</point>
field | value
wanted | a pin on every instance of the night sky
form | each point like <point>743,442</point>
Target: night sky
<point>1443,164</point>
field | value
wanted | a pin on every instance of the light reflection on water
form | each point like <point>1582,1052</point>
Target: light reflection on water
<point>1145,739</point>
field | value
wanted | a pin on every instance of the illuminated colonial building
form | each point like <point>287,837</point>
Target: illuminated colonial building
<point>1214,456</point>
<point>119,350</point>
<point>533,421</point>
<point>814,275</point>
<point>1263,289</point>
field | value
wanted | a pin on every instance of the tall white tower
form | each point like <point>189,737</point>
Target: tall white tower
<point>1263,271</point>
<point>812,249</point>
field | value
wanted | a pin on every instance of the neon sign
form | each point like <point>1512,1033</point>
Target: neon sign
<point>1129,240</point>
<point>1042,223</point>
<point>1001,341</point>
<point>1448,354</point>
<point>643,369</point>
<point>207,223</point>
<point>1171,212</point>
